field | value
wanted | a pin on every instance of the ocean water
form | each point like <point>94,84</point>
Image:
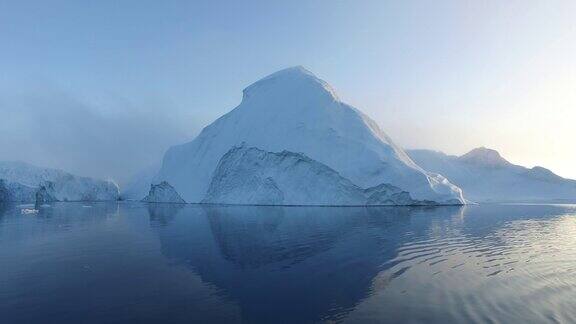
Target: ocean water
<point>162,263</point>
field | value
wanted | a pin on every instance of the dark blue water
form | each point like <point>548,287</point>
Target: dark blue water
<point>131,262</point>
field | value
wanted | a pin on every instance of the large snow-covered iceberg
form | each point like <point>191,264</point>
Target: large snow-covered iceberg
<point>292,110</point>
<point>484,176</point>
<point>253,176</point>
<point>22,181</point>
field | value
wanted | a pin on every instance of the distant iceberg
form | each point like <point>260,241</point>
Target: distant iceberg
<point>485,176</point>
<point>163,193</point>
<point>21,182</point>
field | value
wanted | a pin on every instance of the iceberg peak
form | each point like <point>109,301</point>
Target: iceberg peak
<point>485,157</point>
<point>289,81</point>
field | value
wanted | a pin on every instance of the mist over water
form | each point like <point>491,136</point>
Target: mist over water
<point>115,140</point>
<point>132,262</point>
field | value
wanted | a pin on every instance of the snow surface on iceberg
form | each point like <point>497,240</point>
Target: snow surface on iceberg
<point>253,176</point>
<point>295,111</point>
<point>484,175</point>
<point>163,193</point>
<point>67,187</point>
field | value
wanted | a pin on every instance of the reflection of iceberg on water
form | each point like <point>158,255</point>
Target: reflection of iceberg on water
<point>304,263</point>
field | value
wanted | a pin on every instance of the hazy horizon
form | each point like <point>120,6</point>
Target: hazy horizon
<point>103,89</point>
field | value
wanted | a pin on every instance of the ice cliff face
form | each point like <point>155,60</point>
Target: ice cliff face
<point>163,193</point>
<point>67,187</point>
<point>484,176</point>
<point>253,176</point>
<point>295,111</point>
<point>16,192</point>
<point>46,193</point>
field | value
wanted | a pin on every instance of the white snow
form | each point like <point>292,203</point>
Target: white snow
<point>485,176</point>
<point>163,193</point>
<point>295,111</point>
<point>66,187</point>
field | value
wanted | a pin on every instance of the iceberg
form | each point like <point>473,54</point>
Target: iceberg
<point>485,176</point>
<point>23,181</point>
<point>163,193</point>
<point>292,110</point>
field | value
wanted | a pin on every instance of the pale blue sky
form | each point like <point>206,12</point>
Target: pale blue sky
<point>103,87</point>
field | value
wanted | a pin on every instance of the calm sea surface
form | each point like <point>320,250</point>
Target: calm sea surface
<point>132,262</point>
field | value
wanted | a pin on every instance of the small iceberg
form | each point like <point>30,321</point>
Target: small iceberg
<point>163,193</point>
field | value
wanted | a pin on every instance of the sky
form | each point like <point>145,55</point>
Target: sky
<point>103,88</point>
